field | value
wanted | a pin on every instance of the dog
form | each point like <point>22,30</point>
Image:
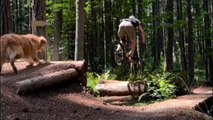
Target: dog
<point>15,46</point>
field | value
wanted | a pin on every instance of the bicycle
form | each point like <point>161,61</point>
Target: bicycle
<point>121,55</point>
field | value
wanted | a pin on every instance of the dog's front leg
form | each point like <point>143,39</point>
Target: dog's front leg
<point>13,66</point>
<point>36,60</point>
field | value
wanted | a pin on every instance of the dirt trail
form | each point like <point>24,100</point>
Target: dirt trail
<point>71,102</point>
<point>186,101</point>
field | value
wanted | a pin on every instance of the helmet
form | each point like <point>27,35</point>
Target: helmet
<point>132,17</point>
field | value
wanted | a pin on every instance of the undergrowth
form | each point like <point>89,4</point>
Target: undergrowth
<point>161,85</point>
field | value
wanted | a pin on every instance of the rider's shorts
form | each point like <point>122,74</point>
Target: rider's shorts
<point>126,28</point>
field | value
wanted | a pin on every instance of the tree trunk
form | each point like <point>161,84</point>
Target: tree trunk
<point>92,40</point>
<point>5,15</point>
<point>159,35</point>
<point>38,14</point>
<point>16,16</point>
<point>154,47</point>
<point>156,34</point>
<point>20,16</point>
<point>79,33</point>
<point>57,35</point>
<point>141,47</point>
<point>207,33</point>
<point>191,44</point>
<point>181,37</point>
<point>170,40</point>
<point>39,10</point>
<point>107,33</point>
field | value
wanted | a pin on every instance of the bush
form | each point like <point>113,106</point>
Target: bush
<point>161,85</point>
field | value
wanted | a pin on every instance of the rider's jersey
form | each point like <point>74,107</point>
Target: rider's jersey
<point>134,21</point>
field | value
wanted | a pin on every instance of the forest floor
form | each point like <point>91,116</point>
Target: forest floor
<point>72,102</point>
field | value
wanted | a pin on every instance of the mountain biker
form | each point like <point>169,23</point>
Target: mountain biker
<point>129,27</point>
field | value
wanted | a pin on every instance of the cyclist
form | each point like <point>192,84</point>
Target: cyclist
<point>128,27</point>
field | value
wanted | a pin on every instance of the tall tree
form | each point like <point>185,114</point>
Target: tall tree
<point>181,37</point>
<point>207,34</point>
<point>79,32</point>
<point>92,36</point>
<point>159,29</point>
<point>154,36</point>
<point>191,43</point>
<point>141,47</point>
<point>16,21</point>
<point>57,34</point>
<point>38,21</point>
<point>5,14</point>
<point>39,11</point>
<point>107,32</point>
<point>170,34</point>
<point>157,33</point>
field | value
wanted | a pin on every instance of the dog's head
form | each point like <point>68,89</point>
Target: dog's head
<point>42,43</point>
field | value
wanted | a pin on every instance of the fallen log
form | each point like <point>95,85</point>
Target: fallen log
<point>117,100</point>
<point>55,66</point>
<point>79,65</point>
<point>110,99</point>
<point>35,83</point>
<point>120,88</point>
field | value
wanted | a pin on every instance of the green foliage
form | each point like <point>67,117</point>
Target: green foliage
<point>68,27</point>
<point>161,85</point>
<point>87,7</point>
<point>199,76</point>
<point>93,79</point>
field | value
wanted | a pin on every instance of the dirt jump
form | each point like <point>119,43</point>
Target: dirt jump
<point>70,100</point>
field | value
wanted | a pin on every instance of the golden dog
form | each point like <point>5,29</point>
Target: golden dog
<point>14,46</point>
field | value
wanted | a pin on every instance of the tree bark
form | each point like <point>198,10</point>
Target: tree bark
<point>57,35</point>
<point>79,65</point>
<point>191,44</point>
<point>208,42</point>
<point>181,37</point>
<point>140,47</point>
<point>120,88</point>
<point>108,49</point>
<point>170,40</point>
<point>155,36</point>
<point>38,14</point>
<point>5,15</point>
<point>92,40</point>
<point>159,31</point>
<point>79,32</point>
